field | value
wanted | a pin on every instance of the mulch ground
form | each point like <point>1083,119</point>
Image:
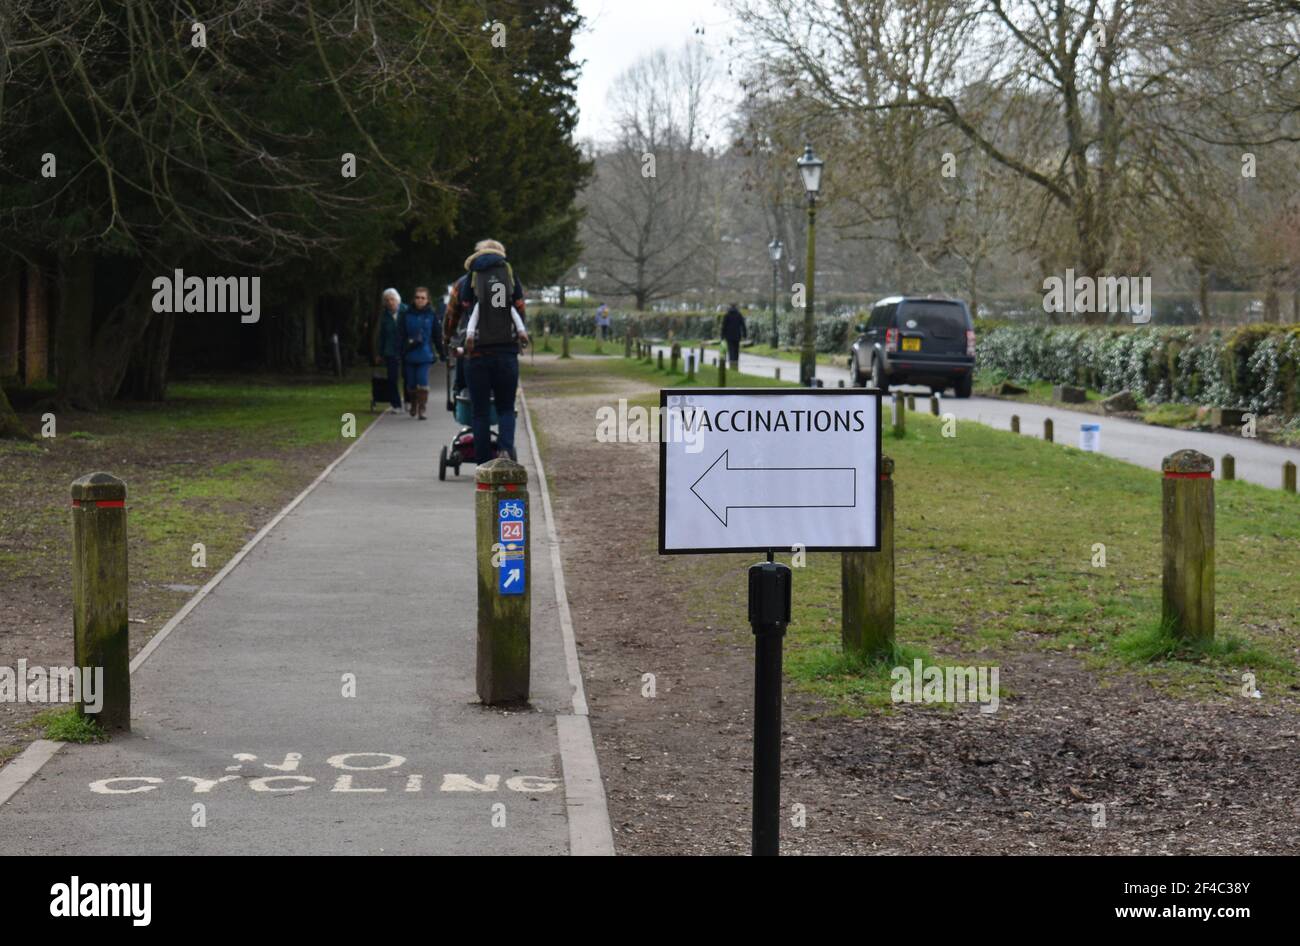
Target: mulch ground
<point>1174,776</point>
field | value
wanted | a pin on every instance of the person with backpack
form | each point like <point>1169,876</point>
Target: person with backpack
<point>491,287</point>
<point>733,330</point>
<point>417,353</point>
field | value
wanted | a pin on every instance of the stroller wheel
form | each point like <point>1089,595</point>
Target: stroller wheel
<point>457,469</point>
<point>442,465</point>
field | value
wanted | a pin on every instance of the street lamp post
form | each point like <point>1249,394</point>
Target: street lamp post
<point>810,167</point>
<point>774,250</point>
<point>582,281</point>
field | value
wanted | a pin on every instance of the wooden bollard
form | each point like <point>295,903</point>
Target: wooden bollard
<point>677,355</point>
<point>841,384</point>
<point>1048,431</point>
<point>777,374</point>
<point>661,359</point>
<point>627,342</point>
<point>1229,470</point>
<point>504,591</point>
<point>934,404</point>
<point>900,417</point>
<point>1288,477</point>
<point>867,584</point>
<point>722,373</point>
<point>564,345</point>
<point>1015,423</point>
<point>1187,603</point>
<point>101,639</point>
<point>690,366</point>
<point>911,402</point>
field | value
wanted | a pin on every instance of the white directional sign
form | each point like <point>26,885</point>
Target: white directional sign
<point>769,468</point>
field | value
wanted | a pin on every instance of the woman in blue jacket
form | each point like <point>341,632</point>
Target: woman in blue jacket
<point>417,356</point>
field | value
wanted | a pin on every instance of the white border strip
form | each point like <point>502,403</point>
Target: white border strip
<point>590,833</point>
<point>18,772</point>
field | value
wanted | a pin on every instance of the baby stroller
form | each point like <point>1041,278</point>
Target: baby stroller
<point>461,449</point>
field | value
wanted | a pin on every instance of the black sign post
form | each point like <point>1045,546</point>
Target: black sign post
<point>783,466</point>
<point>769,613</point>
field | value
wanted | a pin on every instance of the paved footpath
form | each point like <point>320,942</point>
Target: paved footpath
<point>1138,443</point>
<point>240,707</point>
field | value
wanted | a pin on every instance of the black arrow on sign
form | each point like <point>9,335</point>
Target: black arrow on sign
<point>723,487</point>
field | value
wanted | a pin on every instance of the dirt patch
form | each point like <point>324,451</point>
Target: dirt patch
<point>1174,776</point>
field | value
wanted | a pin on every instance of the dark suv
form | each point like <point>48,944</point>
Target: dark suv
<point>911,340</point>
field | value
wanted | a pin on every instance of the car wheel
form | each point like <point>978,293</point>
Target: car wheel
<point>962,387</point>
<point>855,377</point>
<point>442,464</point>
<point>878,376</point>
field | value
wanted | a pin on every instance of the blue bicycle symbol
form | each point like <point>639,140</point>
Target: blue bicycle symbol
<point>514,510</point>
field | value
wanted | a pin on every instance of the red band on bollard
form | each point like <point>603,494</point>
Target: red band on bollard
<point>482,485</point>
<point>512,487</point>
<point>1187,476</point>
<point>103,503</point>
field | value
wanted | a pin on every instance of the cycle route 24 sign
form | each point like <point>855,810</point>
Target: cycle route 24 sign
<point>768,469</point>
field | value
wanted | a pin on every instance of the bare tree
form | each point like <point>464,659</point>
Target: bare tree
<point>650,206</point>
<point>1093,103</point>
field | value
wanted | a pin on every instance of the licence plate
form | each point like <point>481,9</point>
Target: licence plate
<point>911,344</point>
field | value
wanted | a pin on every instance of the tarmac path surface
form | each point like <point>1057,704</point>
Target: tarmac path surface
<point>242,709</point>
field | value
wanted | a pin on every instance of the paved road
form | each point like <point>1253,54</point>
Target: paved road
<point>1141,444</point>
<point>373,575</point>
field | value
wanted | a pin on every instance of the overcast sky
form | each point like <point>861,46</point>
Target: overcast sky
<point>618,32</point>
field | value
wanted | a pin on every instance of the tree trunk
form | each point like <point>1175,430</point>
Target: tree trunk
<point>11,428</point>
<point>1203,293</point>
<point>1272,303</point>
<point>146,378</point>
<point>74,366</point>
<point>93,361</point>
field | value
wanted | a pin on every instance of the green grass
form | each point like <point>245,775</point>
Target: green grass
<point>1038,392</point>
<point>67,725</point>
<point>994,548</point>
<point>579,378</point>
<point>293,413</point>
<point>1157,643</point>
<point>837,359</point>
<point>1171,415</point>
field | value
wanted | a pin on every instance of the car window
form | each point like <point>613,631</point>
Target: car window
<point>937,319</point>
<point>882,315</point>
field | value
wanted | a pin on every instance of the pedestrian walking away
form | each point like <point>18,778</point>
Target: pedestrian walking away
<point>733,330</point>
<point>603,322</point>
<point>492,355</point>
<point>386,344</point>
<point>417,335</point>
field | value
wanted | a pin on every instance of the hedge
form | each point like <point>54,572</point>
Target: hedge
<point>1253,367</point>
<point>834,333</point>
